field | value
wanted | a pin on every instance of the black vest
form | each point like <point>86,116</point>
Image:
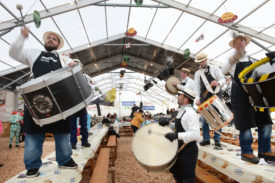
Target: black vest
<point>203,88</point>
<point>45,63</point>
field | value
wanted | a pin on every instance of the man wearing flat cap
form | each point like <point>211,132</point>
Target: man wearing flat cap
<point>245,117</point>
<point>40,63</point>
<point>186,81</point>
<point>208,81</point>
<point>187,133</point>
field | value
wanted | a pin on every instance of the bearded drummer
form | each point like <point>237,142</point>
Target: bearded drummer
<point>245,116</point>
<point>208,82</point>
<point>187,133</point>
<point>40,63</point>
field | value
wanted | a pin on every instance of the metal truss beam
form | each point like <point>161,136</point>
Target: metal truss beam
<point>214,18</point>
<point>51,12</point>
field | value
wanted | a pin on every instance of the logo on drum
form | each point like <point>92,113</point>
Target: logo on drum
<point>42,103</point>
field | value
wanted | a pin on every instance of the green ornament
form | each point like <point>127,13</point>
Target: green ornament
<point>126,58</point>
<point>139,2</point>
<point>36,18</point>
<point>186,53</point>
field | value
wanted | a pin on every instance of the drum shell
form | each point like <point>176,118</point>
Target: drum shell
<point>154,147</point>
<point>260,90</point>
<point>216,112</point>
<point>64,94</point>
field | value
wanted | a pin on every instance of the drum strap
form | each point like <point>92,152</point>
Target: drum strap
<point>207,85</point>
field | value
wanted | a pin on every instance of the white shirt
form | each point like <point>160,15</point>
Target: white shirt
<point>228,68</point>
<point>29,56</point>
<point>115,125</point>
<point>189,84</point>
<point>259,71</point>
<point>215,72</point>
<point>190,123</point>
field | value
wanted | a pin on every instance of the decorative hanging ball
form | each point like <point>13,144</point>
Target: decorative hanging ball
<point>138,2</point>
<point>131,32</point>
<point>186,53</point>
<point>36,18</point>
<point>126,58</point>
<point>227,17</point>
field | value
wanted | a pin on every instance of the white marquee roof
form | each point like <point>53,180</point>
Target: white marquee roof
<point>174,24</point>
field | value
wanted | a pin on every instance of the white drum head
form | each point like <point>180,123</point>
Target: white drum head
<point>152,149</point>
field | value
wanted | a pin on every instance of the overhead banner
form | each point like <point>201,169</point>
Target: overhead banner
<point>148,108</point>
<point>128,103</point>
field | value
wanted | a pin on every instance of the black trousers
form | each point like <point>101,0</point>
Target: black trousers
<point>184,168</point>
<point>134,128</point>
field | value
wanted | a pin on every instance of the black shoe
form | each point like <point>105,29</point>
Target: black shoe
<point>34,172</point>
<point>205,142</point>
<point>70,164</point>
<point>17,146</point>
<point>218,143</point>
<point>251,158</point>
<point>269,156</point>
<point>10,146</point>
<point>73,146</point>
<point>86,144</point>
<point>1,165</point>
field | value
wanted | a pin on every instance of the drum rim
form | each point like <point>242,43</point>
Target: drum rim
<point>168,91</point>
<point>49,78</point>
<point>66,113</point>
<point>161,165</point>
<point>200,107</point>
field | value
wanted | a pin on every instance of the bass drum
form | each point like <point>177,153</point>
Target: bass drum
<point>56,95</point>
<point>152,150</point>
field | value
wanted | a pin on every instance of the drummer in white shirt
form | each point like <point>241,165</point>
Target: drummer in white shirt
<point>186,81</point>
<point>40,63</point>
<point>187,132</point>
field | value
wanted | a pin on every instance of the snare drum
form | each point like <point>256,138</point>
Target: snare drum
<point>152,150</point>
<point>56,95</point>
<point>216,113</point>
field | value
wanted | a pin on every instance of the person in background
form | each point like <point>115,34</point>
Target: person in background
<point>82,115</point>
<point>147,118</point>
<point>15,120</point>
<point>114,126</point>
<point>137,120</point>
<point>116,118</point>
<point>134,109</point>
